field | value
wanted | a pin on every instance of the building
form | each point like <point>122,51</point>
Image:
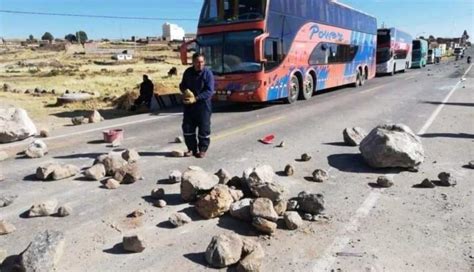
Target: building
<point>172,32</point>
<point>125,55</point>
<point>189,37</point>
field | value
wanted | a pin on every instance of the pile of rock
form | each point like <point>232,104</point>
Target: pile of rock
<point>93,117</point>
<point>229,249</point>
<point>121,167</point>
<point>445,179</point>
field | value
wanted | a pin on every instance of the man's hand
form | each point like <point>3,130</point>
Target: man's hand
<point>188,98</point>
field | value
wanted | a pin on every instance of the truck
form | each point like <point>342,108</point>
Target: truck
<point>419,53</point>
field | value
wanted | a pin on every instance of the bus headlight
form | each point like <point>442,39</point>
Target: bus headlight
<point>251,86</point>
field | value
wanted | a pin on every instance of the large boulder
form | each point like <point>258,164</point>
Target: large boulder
<point>196,182</point>
<point>54,171</point>
<point>353,136</point>
<point>273,191</point>
<point>263,207</point>
<point>264,225</point>
<point>252,256</point>
<point>95,117</point>
<point>392,146</point>
<point>37,149</point>
<point>224,250</point>
<point>131,155</point>
<point>112,162</point>
<point>128,174</point>
<point>96,172</point>
<point>259,181</point>
<point>15,125</point>
<point>216,203</point>
<point>310,203</point>
<point>44,252</point>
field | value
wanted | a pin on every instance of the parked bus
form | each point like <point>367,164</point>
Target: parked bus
<point>266,50</point>
<point>420,53</point>
<point>393,51</point>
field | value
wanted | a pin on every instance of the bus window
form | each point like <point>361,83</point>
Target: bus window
<point>272,53</point>
<point>226,11</point>
<point>319,56</point>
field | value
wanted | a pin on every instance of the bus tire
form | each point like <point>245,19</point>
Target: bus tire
<point>357,81</point>
<point>308,88</point>
<point>293,90</point>
<point>362,78</point>
<point>394,70</point>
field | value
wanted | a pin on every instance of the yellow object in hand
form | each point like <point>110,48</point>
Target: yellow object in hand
<point>188,97</point>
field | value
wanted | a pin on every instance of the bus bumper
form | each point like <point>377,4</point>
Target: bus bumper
<point>383,68</point>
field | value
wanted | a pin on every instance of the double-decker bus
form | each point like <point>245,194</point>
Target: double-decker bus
<point>266,50</point>
<point>419,53</point>
<point>394,49</point>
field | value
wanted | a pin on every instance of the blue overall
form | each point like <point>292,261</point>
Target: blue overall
<point>198,115</point>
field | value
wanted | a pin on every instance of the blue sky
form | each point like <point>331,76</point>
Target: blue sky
<point>447,18</point>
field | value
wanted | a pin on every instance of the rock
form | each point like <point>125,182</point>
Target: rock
<point>305,157</point>
<point>392,146</point>
<point>46,172</point>
<point>241,209</point>
<point>96,172</point>
<point>3,156</point>
<point>177,153</point>
<point>224,250</point>
<point>95,117</point>
<point>79,120</point>
<point>179,219</point>
<point>179,140</point>
<point>128,174</point>
<point>264,225</point>
<point>262,174</point>
<point>320,175</point>
<point>353,136</point>
<point>263,207</point>
<point>308,217</point>
<point>281,145</point>
<point>292,205</point>
<point>310,203</point>
<point>236,194</point>
<point>289,170</point>
<point>44,133</point>
<point>470,164</point>
<point>44,252</point>
<point>64,211</point>
<point>445,179</point>
<point>385,181</point>
<point>426,183</point>
<point>252,256</point>
<point>133,244</point>
<point>223,175</point>
<point>292,220</point>
<point>3,255</point>
<point>175,176</point>
<point>65,171</point>
<point>195,168</point>
<point>6,227</point>
<point>7,200</point>
<point>196,182</point>
<point>15,125</point>
<point>158,193</point>
<point>136,214</point>
<point>111,184</point>
<point>160,203</point>
<point>46,208</point>
<point>216,203</point>
<point>36,149</point>
<point>280,206</point>
<point>112,162</point>
<point>130,155</point>
<point>275,192</point>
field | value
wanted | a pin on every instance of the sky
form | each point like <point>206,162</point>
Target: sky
<point>441,18</point>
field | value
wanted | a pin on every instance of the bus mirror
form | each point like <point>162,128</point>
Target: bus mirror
<point>259,47</point>
<point>184,49</point>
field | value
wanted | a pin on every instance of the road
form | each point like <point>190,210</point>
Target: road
<point>397,229</point>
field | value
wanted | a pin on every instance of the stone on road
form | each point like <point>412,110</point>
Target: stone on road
<point>133,243</point>
<point>44,252</point>
<point>292,220</point>
<point>353,136</point>
<point>224,250</point>
<point>195,183</point>
<point>45,208</point>
<point>216,203</point>
<point>310,203</point>
<point>179,219</point>
<point>6,227</point>
<point>15,125</point>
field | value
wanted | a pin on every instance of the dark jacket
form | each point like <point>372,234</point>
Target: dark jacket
<point>201,84</point>
<point>146,90</point>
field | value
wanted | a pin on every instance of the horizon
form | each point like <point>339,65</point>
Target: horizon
<point>145,22</point>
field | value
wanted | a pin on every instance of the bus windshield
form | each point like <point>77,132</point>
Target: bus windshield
<point>383,38</point>
<point>383,55</point>
<point>231,11</point>
<point>231,52</point>
<point>416,45</point>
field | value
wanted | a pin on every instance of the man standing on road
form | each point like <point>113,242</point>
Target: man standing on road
<point>146,93</point>
<point>197,87</point>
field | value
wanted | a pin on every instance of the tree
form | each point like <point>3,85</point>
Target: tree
<point>81,36</point>
<point>71,38</point>
<point>31,37</point>
<point>47,37</point>
<point>465,35</point>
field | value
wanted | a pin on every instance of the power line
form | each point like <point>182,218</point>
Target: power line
<point>95,16</point>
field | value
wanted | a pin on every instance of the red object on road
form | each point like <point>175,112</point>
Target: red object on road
<point>113,135</point>
<point>268,139</point>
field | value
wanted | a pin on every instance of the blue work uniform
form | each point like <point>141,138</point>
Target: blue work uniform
<point>198,115</point>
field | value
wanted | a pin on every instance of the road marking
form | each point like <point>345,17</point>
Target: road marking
<point>374,88</point>
<point>96,129</point>
<point>246,127</point>
<point>327,260</point>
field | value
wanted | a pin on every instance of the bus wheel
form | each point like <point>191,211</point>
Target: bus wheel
<point>308,88</point>
<point>362,79</point>
<point>293,90</point>
<point>394,70</point>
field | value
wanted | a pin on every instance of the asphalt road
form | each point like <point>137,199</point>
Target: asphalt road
<point>397,229</point>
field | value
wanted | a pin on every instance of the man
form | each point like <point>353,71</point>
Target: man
<point>197,87</point>
<point>146,93</point>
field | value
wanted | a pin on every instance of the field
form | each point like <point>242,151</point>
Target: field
<point>25,69</point>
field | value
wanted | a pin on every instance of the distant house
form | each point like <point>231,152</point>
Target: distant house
<point>125,55</point>
<point>189,37</point>
<point>173,32</point>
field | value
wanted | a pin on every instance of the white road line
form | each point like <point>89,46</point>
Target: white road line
<point>327,260</point>
<point>96,129</point>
